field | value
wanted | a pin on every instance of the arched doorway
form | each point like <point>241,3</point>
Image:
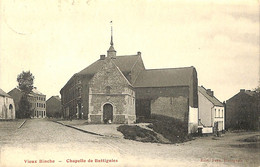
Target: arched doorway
<point>107,113</point>
<point>11,110</point>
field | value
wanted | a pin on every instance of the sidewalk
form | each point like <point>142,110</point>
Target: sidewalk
<point>109,130</point>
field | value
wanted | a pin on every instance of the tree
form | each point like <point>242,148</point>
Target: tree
<point>25,84</point>
<point>24,107</point>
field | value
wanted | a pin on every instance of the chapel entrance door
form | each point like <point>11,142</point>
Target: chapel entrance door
<point>107,113</point>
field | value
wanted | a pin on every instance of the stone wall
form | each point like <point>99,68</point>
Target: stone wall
<point>176,107</point>
<point>166,101</point>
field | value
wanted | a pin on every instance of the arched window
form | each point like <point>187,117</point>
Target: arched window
<point>10,107</point>
<point>108,88</point>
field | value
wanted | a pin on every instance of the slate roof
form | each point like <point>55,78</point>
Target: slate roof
<point>165,77</point>
<point>124,63</point>
<point>212,99</point>
<point>2,93</point>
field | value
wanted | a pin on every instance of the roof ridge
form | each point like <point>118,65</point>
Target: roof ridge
<point>126,55</point>
<point>168,68</point>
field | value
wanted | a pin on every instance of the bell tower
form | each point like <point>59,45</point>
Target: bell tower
<point>111,51</point>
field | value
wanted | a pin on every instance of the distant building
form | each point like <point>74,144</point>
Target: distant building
<point>7,107</point>
<point>36,99</point>
<point>243,110</point>
<point>53,107</point>
<point>211,111</point>
<point>119,89</point>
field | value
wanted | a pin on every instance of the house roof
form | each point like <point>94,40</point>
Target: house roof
<point>124,63</point>
<point>212,99</point>
<point>165,77</point>
<point>2,93</point>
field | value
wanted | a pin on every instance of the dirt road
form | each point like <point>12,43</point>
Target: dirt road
<point>44,143</point>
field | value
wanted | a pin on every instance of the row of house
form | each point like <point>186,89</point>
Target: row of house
<point>40,108</point>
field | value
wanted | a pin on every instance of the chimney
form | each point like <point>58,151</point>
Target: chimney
<point>139,53</point>
<point>242,90</point>
<point>210,92</point>
<point>102,57</point>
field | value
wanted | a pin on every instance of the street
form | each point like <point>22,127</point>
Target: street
<point>40,142</point>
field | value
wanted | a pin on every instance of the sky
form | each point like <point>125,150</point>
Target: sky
<point>55,39</point>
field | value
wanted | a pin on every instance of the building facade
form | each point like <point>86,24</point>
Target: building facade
<point>211,111</point>
<point>243,110</point>
<point>36,99</point>
<point>7,107</point>
<point>118,89</point>
<point>53,107</point>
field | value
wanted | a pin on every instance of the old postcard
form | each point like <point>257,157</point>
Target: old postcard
<point>129,83</point>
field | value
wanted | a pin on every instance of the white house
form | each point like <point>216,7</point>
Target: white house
<point>211,111</point>
<point>7,109</point>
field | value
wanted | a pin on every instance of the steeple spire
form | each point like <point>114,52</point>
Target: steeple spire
<point>111,51</point>
<point>111,42</point>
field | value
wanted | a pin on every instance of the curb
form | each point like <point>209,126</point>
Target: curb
<point>92,133</point>
<point>22,124</point>
<point>83,130</point>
